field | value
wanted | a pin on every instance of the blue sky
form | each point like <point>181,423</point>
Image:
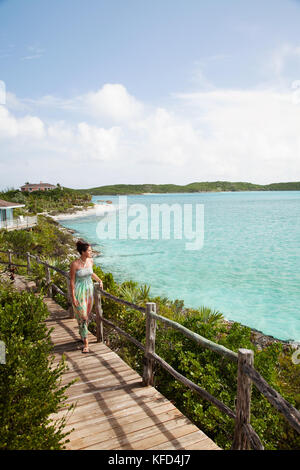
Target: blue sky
<point>136,91</point>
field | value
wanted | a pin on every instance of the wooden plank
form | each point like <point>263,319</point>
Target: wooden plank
<point>65,346</point>
<point>134,390</point>
<point>105,379</point>
<point>130,432</point>
<point>101,422</point>
<point>90,370</point>
<point>83,366</point>
<point>79,359</point>
<point>163,437</point>
<point>114,400</point>
<point>91,375</point>
<point>145,438</point>
<point>102,383</point>
<point>113,410</point>
<point>181,442</point>
<point>67,330</point>
<point>100,390</point>
<point>94,349</point>
<point>134,411</point>
<point>206,444</point>
<point>57,323</point>
<point>62,328</point>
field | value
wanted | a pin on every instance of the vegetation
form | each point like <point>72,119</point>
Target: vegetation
<point>210,371</point>
<point>55,201</point>
<point>204,367</point>
<point>30,382</point>
<point>214,186</point>
<point>64,199</point>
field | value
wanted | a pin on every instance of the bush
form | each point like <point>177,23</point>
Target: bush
<point>212,372</point>
<point>29,382</point>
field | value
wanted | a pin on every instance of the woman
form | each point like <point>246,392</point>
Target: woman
<point>82,289</point>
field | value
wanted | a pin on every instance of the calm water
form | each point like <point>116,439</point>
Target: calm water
<point>248,267</point>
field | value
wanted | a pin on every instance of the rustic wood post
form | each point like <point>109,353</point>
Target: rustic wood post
<point>148,375</point>
<point>243,400</point>
<point>37,279</point>
<point>9,252</point>
<point>48,280</point>
<point>28,262</point>
<point>99,314</point>
<point>70,309</point>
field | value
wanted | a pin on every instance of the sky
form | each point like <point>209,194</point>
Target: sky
<point>138,91</point>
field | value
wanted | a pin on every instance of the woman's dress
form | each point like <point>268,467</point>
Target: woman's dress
<point>84,294</point>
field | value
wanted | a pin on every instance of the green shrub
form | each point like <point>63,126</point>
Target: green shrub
<point>30,387</point>
<point>212,372</point>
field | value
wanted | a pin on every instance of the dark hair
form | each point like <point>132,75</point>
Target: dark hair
<point>82,246</point>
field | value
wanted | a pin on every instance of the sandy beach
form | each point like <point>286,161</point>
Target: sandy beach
<point>97,210</point>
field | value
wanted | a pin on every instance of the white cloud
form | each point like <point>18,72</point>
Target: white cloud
<point>11,127</point>
<point>167,139</point>
<point>113,101</point>
<point>255,132</point>
<point>241,135</point>
<point>98,143</point>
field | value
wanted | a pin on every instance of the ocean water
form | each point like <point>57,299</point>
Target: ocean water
<point>248,267</point>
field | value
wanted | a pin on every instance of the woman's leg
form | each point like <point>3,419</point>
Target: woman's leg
<point>89,306</point>
<point>84,335</point>
<point>83,311</point>
<point>82,327</point>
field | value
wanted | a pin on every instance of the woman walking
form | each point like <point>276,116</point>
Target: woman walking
<point>82,289</point>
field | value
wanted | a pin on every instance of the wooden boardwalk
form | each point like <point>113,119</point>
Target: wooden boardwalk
<point>114,411</point>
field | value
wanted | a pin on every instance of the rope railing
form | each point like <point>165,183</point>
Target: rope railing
<point>245,436</point>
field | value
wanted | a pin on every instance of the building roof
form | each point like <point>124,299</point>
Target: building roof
<point>9,205</point>
<point>39,185</point>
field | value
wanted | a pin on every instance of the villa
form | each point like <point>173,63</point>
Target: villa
<point>7,220</point>
<point>37,187</point>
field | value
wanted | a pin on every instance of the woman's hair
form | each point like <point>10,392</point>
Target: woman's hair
<point>82,246</point>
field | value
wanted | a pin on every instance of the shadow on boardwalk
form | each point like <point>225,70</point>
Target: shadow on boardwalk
<point>113,410</point>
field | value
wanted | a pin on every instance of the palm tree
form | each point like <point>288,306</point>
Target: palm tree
<point>134,294</point>
<point>207,315</point>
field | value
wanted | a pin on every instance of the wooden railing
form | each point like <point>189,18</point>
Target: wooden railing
<point>18,224</point>
<point>244,435</point>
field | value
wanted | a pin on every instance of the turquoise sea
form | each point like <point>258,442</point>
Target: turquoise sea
<point>248,267</point>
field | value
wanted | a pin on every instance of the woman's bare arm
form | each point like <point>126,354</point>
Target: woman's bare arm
<point>72,282</point>
<point>96,278</point>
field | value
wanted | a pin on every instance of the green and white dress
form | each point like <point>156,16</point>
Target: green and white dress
<point>84,294</point>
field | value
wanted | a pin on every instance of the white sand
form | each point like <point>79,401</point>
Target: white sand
<point>97,210</point>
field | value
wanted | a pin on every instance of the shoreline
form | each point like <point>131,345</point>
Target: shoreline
<point>258,338</point>
<point>97,210</point>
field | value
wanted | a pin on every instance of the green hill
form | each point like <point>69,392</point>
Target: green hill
<point>214,186</point>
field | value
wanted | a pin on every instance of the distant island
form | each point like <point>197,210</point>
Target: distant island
<point>215,186</point>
